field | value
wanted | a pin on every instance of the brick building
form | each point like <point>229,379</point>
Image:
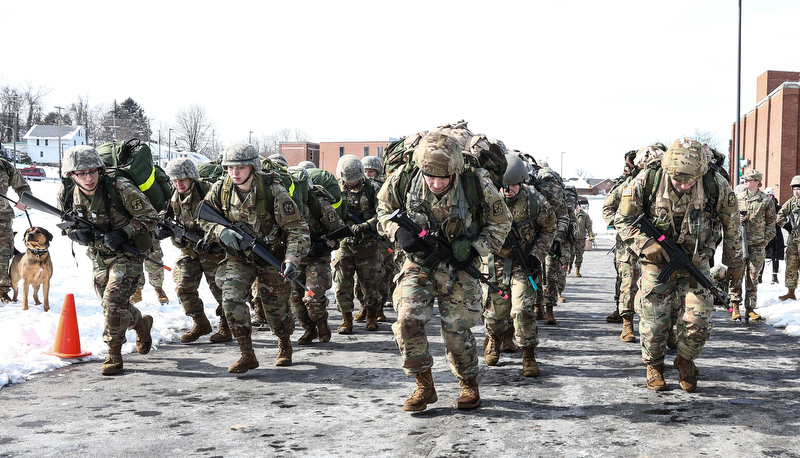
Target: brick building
<point>771,132</point>
<point>326,154</point>
<point>298,152</point>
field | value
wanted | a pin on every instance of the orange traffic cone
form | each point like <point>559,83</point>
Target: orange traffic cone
<point>68,340</point>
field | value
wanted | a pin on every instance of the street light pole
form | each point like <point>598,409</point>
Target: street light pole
<point>250,137</point>
<point>160,157</point>
<point>738,146</point>
<point>16,126</point>
<point>169,145</point>
<point>60,152</point>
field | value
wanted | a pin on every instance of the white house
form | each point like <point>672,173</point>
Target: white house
<point>42,141</point>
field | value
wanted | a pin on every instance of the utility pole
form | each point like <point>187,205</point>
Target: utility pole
<point>737,158</point>
<point>250,137</point>
<point>160,157</point>
<point>59,139</point>
<point>169,145</point>
<point>16,125</point>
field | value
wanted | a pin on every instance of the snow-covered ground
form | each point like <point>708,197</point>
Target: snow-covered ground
<point>26,335</point>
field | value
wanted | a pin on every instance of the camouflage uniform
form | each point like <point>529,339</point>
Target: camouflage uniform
<point>315,268</point>
<point>361,254</point>
<point>155,273</point>
<point>625,262</point>
<point>549,183</point>
<point>690,217</point>
<point>760,229</point>
<point>790,213</point>
<point>481,229</point>
<point>115,273</point>
<point>286,236</point>
<point>583,230</point>
<point>9,177</point>
<point>193,263</point>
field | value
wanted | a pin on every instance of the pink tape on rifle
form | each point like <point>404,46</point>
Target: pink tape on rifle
<point>661,239</point>
<point>502,294</point>
<point>422,234</point>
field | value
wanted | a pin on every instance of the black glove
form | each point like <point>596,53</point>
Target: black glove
<point>534,265</point>
<point>82,236</point>
<point>462,265</point>
<point>162,231</point>
<point>409,241</point>
<point>290,271</point>
<point>205,246</point>
<point>555,250</point>
<point>361,228</point>
<point>318,248</point>
<point>114,239</point>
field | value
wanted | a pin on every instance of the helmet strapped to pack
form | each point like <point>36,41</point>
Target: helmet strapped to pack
<point>307,165</point>
<point>516,172</point>
<point>686,160</point>
<point>439,155</point>
<point>81,157</point>
<point>182,168</point>
<point>279,159</point>
<point>241,154</point>
<point>349,169</point>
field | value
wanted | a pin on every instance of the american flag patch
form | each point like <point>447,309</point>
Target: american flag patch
<point>627,192</point>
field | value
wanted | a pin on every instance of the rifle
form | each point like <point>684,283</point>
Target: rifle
<point>511,238</point>
<point>370,232</point>
<point>745,247</point>
<point>440,249</point>
<point>677,259</point>
<point>336,234</point>
<point>179,231</point>
<point>72,221</point>
<point>249,238</point>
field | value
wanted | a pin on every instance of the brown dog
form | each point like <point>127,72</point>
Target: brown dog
<point>34,267</point>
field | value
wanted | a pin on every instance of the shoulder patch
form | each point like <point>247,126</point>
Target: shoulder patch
<point>627,192</point>
<point>137,205</point>
<point>289,208</point>
<point>732,202</point>
<point>497,208</point>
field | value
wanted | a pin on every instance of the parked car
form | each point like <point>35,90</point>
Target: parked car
<point>33,173</point>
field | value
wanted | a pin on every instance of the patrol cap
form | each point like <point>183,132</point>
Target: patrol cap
<point>795,181</point>
<point>769,191</point>
<point>753,175</point>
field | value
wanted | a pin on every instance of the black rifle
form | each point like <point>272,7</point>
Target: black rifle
<point>74,222</point>
<point>179,231</point>
<point>745,248</point>
<point>336,234</point>
<point>370,232</point>
<point>440,249</point>
<point>519,255</point>
<point>677,259</point>
<point>249,238</point>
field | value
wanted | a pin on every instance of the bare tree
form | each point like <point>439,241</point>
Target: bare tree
<point>706,136</point>
<point>194,130</point>
<point>33,97</point>
<point>270,144</point>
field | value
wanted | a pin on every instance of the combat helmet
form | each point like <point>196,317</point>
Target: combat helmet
<point>795,181</point>
<point>753,175</point>
<point>307,165</point>
<point>241,154</point>
<point>297,168</point>
<point>516,172</point>
<point>181,168</point>
<point>372,162</point>
<point>686,160</point>
<point>81,157</point>
<point>439,155</point>
<point>349,169</point>
<point>279,159</point>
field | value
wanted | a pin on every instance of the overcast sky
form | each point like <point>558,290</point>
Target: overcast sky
<point>592,79</point>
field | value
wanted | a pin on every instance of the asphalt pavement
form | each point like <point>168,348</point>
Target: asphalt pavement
<point>344,398</point>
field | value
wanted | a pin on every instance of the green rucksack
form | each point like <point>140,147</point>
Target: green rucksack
<point>296,184</point>
<point>328,181</point>
<point>133,160</point>
<point>210,172</point>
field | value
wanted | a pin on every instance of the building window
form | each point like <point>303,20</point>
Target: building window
<point>341,151</point>
<point>311,156</point>
<point>45,142</point>
<point>41,153</point>
<point>74,142</point>
<point>37,142</point>
<point>366,151</point>
<point>380,150</point>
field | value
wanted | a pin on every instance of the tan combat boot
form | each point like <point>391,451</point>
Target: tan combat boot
<point>529,366</point>
<point>201,327</point>
<point>323,330</point>
<point>735,314</point>
<point>361,316</point>
<point>548,315</point>
<point>248,360</point>
<point>259,320</point>
<point>223,333</point>
<point>752,315</point>
<point>508,341</point>
<point>469,397</point>
<point>113,363</point>
<point>578,271</point>
<point>787,296</point>
<point>162,296</point>
<point>614,317</point>
<point>381,317</point>
<point>655,377</point>
<point>627,329</point>
<point>423,394</point>
<point>537,309</point>
<point>672,339</point>
<point>137,296</point>
<point>490,351</point>
<point>569,269</point>
<point>372,320</point>
<point>143,339</point>
<point>686,373</point>
<point>561,298</point>
<point>308,336</point>
<point>347,323</point>
<point>284,352</point>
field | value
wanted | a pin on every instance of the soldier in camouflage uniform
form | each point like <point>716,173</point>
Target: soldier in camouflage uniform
<point>246,194</point>
<point>9,177</point>
<point>583,230</point>
<point>678,199</point>
<point>373,169</point>
<point>315,268</point>
<point>115,271</point>
<point>155,275</point>
<point>196,259</point>
<point>790,214</point>
<point>534,226</point>
<point>435,198</point>
<point>758,222</point>
<point>360,254</point>
<point>571,198</point>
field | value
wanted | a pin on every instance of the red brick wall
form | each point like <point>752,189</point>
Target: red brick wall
<point>329,151</point>
<point>771,79</point>
<point>299,152</point>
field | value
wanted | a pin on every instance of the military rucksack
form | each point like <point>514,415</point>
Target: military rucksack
<point>210,172</point>
<point>653,180</point>
<point>327,180</point>
<point>133,160</point>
